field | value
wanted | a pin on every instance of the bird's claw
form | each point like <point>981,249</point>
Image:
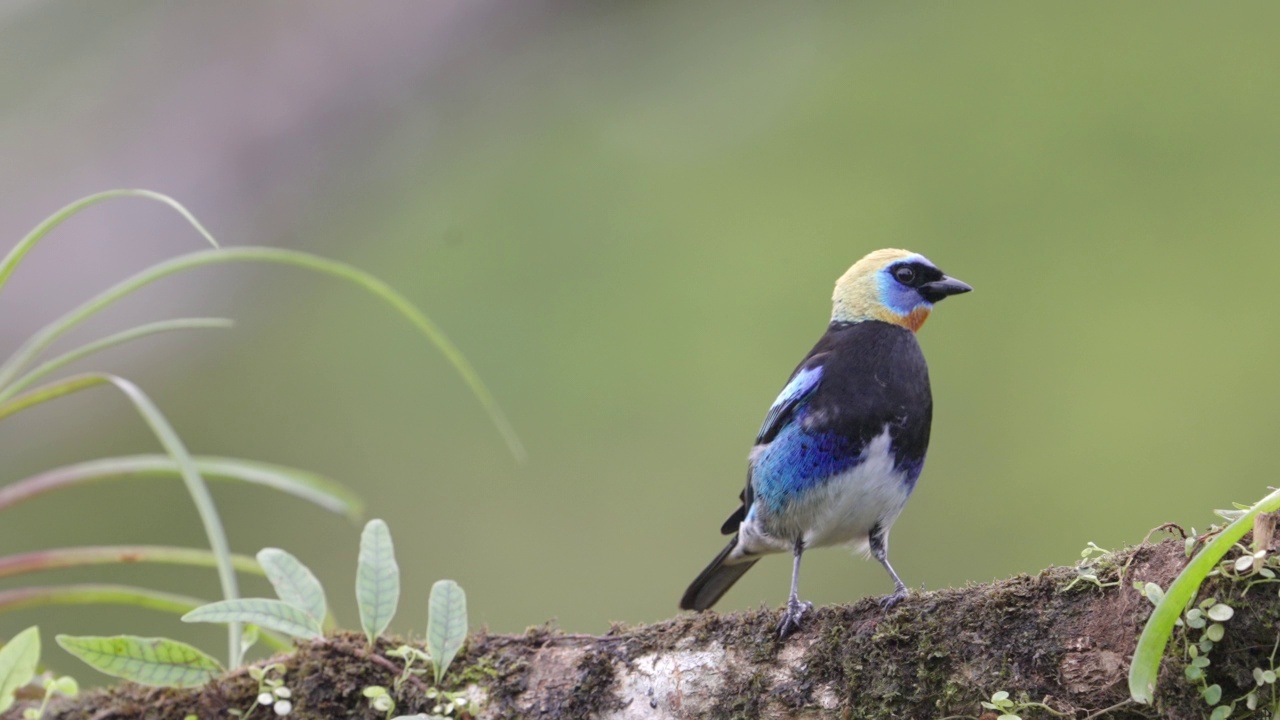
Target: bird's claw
<point>791,616</point>
<point>887,602</point>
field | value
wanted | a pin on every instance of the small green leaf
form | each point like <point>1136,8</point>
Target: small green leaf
<point>1201,662</point>
<point>158,662</point>
<point>1244,562</point>
<point>1269,676</point>
<point>18,660</point>
<point>1251,701</point>
<point>1257,676</point>
<point>1221,612</point>
<point>447,625</point>
<point>65,685</point>
<point>1000,696</point>
<point>1213,694</point>
<point>270,614</point>
<point>1215,632</point>
<point>293,581</point>
<point>1153,593</point>
<point>1221,712</point>
<point>1193,673</point>
<point>1009,716</point>
<point>377,579</point>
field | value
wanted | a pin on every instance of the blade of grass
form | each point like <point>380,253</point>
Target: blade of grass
<point>96,594</point>
<point>24,246</point>
<point>106,594</point>
<point>42,339</point>
<point>1145,668</point>
<point>173,445</point>
<point>110,341</point>
<point>308,486</point>
<point>46,393</point>
<point>59,558</point>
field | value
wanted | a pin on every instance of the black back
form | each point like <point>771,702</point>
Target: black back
<point>873,373</point>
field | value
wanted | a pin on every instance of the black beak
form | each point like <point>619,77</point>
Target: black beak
<point>940,289</point>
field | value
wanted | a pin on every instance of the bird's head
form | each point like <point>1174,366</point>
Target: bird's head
<point>894,286</point>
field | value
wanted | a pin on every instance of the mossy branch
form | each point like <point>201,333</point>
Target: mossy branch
<point>939,654</point>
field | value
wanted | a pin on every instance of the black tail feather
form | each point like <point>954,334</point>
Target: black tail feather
<point>715,581</point>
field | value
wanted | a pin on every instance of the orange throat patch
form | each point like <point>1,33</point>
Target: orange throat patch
<point>911,321</point>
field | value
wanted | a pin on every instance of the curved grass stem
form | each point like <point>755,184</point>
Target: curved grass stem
<point>301,484</point>
<point>24,246</point>
<point>119,338</point>
<point>70,557</point>
<point>38,342</point>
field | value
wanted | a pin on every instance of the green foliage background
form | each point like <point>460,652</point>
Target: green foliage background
<point>630,219</point>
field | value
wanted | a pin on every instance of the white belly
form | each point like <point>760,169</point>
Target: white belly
<point>842,511</point>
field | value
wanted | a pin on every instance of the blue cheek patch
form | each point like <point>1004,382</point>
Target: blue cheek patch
<point>796,461</point>
<point>897,297</point>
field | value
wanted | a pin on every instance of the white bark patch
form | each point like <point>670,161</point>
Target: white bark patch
<point>675,684</point>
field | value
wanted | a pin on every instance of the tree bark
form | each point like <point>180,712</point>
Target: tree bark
<point>1041,638</point>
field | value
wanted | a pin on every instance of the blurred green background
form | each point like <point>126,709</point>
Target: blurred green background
<point>629,216</point>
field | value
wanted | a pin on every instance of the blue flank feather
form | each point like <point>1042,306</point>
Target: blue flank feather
<point>797,461</point>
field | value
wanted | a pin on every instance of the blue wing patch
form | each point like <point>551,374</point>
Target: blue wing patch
<point>802,383</point>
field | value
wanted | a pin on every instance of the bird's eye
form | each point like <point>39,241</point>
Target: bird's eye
<point>904,275</point>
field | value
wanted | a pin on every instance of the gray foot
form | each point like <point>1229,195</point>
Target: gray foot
<point>791,616</point>
<point>888,601</point>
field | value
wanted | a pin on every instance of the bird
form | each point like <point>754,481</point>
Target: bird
<point>842,446</point>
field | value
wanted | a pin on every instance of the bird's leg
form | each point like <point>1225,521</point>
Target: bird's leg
<point>795,608</point>
<point>879,540</point>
